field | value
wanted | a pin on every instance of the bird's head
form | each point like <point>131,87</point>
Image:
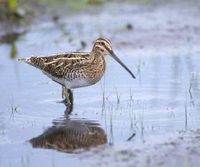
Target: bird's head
<point>103,47</point>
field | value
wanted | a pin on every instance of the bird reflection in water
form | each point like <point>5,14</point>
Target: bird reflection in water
<point>71,136</point>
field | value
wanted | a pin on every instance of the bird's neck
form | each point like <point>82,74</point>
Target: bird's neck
<point>96,57</point>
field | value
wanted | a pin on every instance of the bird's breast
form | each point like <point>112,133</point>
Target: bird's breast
<point>96,71</point>
<point>88,75</point>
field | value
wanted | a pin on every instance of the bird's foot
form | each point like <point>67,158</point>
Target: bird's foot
<point>65,101</point>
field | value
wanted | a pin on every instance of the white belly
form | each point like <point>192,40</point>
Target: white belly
<point>58,80</point>
<point>76,83</point>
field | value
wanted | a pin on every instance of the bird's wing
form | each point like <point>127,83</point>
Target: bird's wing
<point>57,65</point>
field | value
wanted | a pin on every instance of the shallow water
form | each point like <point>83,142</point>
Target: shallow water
<point>163,99</point>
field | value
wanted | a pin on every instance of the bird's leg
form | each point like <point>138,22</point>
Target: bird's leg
<point>64,92</point>
<point>67,98</point>
<point>67,94</point>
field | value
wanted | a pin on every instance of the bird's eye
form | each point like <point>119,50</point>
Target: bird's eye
<point>102,50</point>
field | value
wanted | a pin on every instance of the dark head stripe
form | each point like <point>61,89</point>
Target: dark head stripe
<point>103,40</point>
<point>100,44</point>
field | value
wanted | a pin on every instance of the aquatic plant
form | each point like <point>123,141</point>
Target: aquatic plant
<point>117,95</point>
<point>12,10</point>
<point>12,5</point>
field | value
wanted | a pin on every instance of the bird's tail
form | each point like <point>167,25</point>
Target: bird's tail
<point>37,62</point>
<point>26,60</point>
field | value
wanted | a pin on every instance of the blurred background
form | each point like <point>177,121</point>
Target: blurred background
<point>150,121</point>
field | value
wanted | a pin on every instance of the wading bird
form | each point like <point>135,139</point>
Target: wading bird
<point>76,69</point>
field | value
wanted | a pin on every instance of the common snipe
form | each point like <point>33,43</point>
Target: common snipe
<point>76,69</point>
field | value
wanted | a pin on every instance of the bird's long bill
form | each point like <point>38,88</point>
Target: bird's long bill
<point>122,64</point>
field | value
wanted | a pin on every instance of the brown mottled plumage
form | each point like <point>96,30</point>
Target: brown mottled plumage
<point>76,69</point>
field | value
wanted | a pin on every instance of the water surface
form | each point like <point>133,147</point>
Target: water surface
<point>162,100</point>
